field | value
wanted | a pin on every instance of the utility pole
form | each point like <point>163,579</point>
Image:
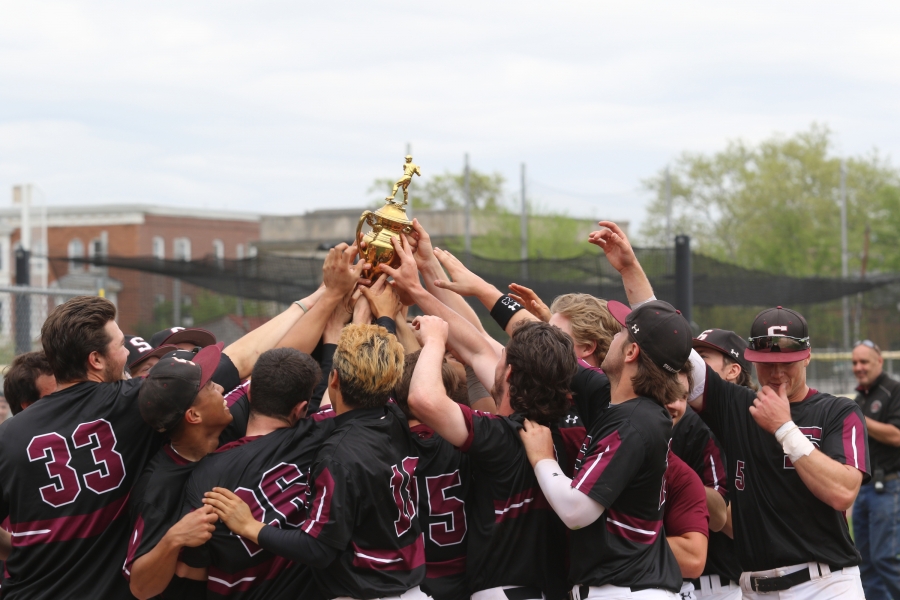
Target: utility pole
<point>844,255</point>
<point>468,213</point>
<point>22,195</point>
<point>668,206</point>
<point>409,207</point>
<point>524,230</point>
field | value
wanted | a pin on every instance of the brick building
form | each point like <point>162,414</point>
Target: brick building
<point>126,231</point>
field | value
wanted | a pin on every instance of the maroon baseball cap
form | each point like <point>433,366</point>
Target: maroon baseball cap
<point>778,335</point>
<point>179,335</point>
<point>659,330</point>
<point>173,384</point>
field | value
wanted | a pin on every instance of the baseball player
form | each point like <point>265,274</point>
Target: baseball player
<point>443,479</point>
<point>797,459</point>
<point>180,399</point>
<point>363,510</point>
<point>142,356</point>
<point>268,469</point>
<point>27,379</point>
<point>614,504</point>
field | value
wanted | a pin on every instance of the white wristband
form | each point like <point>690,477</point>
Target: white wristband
<point>795,444</point>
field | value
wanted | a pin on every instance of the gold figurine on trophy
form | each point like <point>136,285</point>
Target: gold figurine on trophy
<point>387,222</point>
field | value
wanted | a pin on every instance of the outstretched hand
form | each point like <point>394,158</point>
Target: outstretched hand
<point>383,301</point>
<point>531,301</point>
<point>771,409</point>
<point>538,442</point>
<point>339,273</point>
<point>431,329</point>
<point>423,251</point>
<point>406,276</point>
<point>234,512</point>
<point>615,245</point>
<point>465,282</point>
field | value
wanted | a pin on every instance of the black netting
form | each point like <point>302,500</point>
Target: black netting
<point>283,278</point>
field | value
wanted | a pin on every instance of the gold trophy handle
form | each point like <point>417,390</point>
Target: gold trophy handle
<point>362,219</point>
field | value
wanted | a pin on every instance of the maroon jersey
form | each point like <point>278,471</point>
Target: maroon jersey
<point>686,509</point>
<point>67,465</point>
<point>364,503</point>
<point>623,467</point>
<point>269,473</point>
<point>443,478</point>
<point>777,520</point>
<point>515,538</point>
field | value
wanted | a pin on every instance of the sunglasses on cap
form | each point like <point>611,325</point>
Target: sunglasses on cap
<point>867,344</point>
<point>778,343</point>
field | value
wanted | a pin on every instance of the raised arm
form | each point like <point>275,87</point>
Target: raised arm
<point>832,482</point>
<point>427,397</point>
<point>615,245</point>
<point>340,276</point>
<point>473,349</point>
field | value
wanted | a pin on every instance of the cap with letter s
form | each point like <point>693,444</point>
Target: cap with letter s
<point>726,342</point>
<point>778,335</point>
<point>660,331</point>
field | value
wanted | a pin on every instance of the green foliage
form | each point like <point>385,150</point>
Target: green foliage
<point>776,206</point>
<point>447,190</point>
<point>201,306</point>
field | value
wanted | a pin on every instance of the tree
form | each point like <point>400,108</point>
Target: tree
<point>447,190</point>
<point>775,206</point>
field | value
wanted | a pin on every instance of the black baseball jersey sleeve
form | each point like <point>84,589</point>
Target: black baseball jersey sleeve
<point>881,402</point>
<point>364,503</point>
<point>509,515</point>
<point>270,473</point>
<point>623,467</point>
<point>777,519</point>
<point>443,478</point>
<point>67,467</point>
<point>154,506</point>
<point>694,443</point>
<point>239,407</point>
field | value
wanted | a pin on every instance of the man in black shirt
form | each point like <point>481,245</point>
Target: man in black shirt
<point>876,512</point>
<point>362,531</point>
<point>180,399</point>
<point>797,458</point>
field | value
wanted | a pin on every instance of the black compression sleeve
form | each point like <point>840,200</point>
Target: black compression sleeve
<point>325,364</point>
<point>297,545</point>
<point>504,309</point>
<point>388,323</point>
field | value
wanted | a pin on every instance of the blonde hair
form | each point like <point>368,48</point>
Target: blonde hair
<point>369,363</point>
<point>590,319</point>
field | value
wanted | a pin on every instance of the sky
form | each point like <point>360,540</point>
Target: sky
<point>284,107</point>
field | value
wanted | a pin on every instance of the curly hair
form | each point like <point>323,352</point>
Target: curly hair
<point>591,321</point>
<point>401,391</point>
<point>369,363</point>
<point>543,364</point>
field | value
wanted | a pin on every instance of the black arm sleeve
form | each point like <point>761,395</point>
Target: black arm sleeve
<point>297,545</point>
<point>388,323</point>
<point>325,363</point>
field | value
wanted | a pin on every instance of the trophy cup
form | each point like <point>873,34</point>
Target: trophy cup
<point>387,222</point>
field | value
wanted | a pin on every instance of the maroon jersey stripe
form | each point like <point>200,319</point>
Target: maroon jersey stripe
<point>63,529</point>
<point>519,504</point>
<point>640,531</point>
<point>455,566</point>
<point>133,544</point>
<point>224,583</point>
<point>596,462</point>
<point>404,559</point>
<point>854,436</point>
<point>714,467</point>
<point>321,506</point>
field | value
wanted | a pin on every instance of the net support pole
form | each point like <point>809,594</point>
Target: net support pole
<point>23,301</point>
<point>523,222</point>
<point>468,213</point>
<point>684,281</point>
<point>844,254</point>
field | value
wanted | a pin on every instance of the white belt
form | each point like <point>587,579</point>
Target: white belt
<point>496,593</point>
<point>410,594</point>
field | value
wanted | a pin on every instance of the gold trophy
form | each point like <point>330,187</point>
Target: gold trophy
<point>387,222</point>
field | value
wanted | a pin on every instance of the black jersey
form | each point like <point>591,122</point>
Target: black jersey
<point>777,520</point>
<point>623,467</point>
<point>590,393</point>
<point>694,443</point>
<point>881,402</point>
<point>443,478</point>
<point>155,505</point>
<point>66,468</point>
<point>239,407</point>
<point>364,503</point>
<point>515,538</point>
<point>269,473</point>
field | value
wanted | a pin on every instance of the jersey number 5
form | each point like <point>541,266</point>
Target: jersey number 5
<point>441,504</point>
<point>65,484</point>
<point>739,475</point>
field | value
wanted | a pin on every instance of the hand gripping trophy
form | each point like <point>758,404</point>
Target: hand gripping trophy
<point>387,222</point>
<point>409,169</point>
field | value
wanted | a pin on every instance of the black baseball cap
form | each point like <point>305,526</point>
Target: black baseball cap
<point>728,343</point>
<point>179,335</point>
<point>154,352</point>
<point>778,335</point>
<point>173,384</point>
<point>659,330</point>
